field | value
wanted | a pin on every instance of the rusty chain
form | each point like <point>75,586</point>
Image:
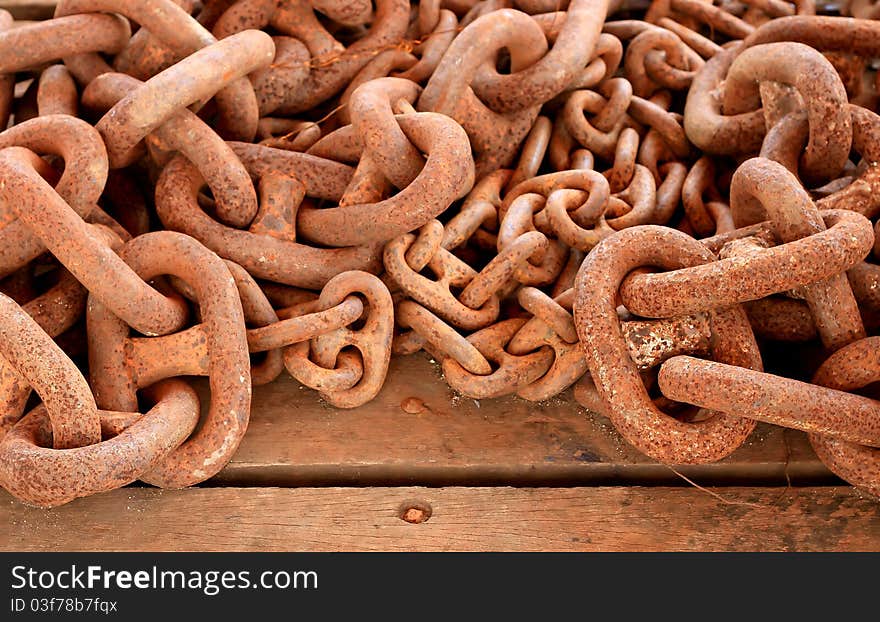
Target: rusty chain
<point>547,197</point>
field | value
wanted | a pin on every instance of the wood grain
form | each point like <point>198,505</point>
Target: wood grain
<point>478,519</point>
<point>295,439</point>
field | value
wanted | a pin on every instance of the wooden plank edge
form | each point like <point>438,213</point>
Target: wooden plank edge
<point>460,519</point>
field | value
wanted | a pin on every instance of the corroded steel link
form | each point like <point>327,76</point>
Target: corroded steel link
<point>856,36</point>
<point>706,125</point>
<point>443,340</point>
<point>772,399</point>
<point>176,29</point>
<point>236,201</point>
<point>648,342</point>
<point>669,191</point>
<point>494,136</point>
<point>781,319</point>
<point>323,179</point>
<point>481,180</point>
<point>346,374</point>
<point>381,66</point>
<point>849,369</point>
<point>446,176</point>
<point>86,255</point>
<point>428,242</point>
<point>372,340</point>
<point>77,143</point>
<point>476,217</point>
<point>640,197</point>
<point>288,133</point>
<point>532,153</point>
<point>794,216</point>
<point>544,265</point>
<point>576,179</point>
<point>551,74</point>
<point>346,12</point>
<point>432,47</point>
<point>818,84</point>
<point>703,46</point>
<point>265,256</point>
<point>333,65</point>
<point>186,353</point>
<point>146,55</point>
<point>55,311</point>
<point>41,42</point>
<point>562,208</point>
<point>280,199</point>
<point>739,279</point>
<point>512,372</point>
<point>717,19</point>
<point>57,92</point>
<point>863,194</point>
<point>244,15</point>
<point>700,182</point>
<point>603,66</point>
<point>383,139</point>
<point>288,71</point>
<point>657,58</point>
<point>552,326</point>
<point>205,72</point>
<point>301,328</point>
<point>600,136</point>
<point>46,477</point>
<point>785,142</point>
<point>625,153</point>
<point>81,183</point>
<point>208,450</point>
<point>549,311</point>
<point>616,375</point>
<point>163,18</point>
<point>436,295</point>
<point>506,266</point>
<point>667,124</point>
<point>27,349</point>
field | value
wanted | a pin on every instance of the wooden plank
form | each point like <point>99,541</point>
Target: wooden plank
<point>295,439</point>
<point>29,9</point>
<point>480,519</point>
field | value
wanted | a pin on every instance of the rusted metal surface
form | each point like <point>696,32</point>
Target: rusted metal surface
<point>541,195</point>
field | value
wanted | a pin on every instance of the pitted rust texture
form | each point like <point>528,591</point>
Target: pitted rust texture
<point>764,397</point>
<point>234,195</point>
<point>268,257</point>
<point>614,372</point>
<point>211,447</point>
<point>160,97</point>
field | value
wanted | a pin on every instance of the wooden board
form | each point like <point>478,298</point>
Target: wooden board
<point>29,9</point>
<point>295,439</point>
<point>480,519</point>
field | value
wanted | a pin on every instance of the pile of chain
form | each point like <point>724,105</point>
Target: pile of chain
<point>540,194</point>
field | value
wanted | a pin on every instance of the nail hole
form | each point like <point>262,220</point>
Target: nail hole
<point>415,512</point>
<point>413,406</point>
